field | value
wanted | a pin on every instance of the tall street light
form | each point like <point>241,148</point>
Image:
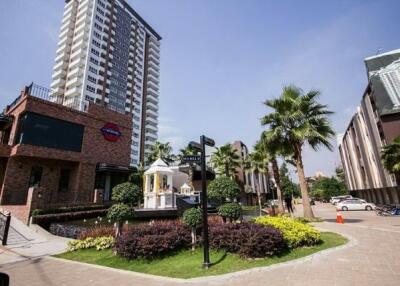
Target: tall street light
<point>201,147</point>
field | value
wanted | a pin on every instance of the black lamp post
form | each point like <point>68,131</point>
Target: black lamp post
<point>202,148</point>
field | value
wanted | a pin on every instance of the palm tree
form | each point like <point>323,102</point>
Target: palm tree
<point>226,160</point>
<point>391,156</point>
<point>270,150</point>
<point>256,164</point>
<point>187,151</point>
<point>161,151</point>
<point>298,119</point>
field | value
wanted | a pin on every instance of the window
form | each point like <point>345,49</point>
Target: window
<point>90,88</point>
<point>93,70</point>
<point>97,35</point>
<point>94,61</point>
<point>98,27</point>
<point>63,183</point>
<point>36,176</point>
<point>96,43</point>
<point>38,130</point>
<point>91,79</point>
<point>95,52</point>
<point>98,18</point>
<point>100,11</point>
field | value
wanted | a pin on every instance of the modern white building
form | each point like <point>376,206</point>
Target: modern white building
<point>109,55</point>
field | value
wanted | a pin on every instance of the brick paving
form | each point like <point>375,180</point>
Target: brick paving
<point>371,258</point>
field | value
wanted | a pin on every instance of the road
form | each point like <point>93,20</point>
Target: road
<point>370,258</point>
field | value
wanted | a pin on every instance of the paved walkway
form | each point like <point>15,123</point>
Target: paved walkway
<point>26,243</point>
<point>371,258</point>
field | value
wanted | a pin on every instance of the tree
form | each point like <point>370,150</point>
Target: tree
<point>298,119</point>
<point>222,189</point>
<point>119,213</point>
<point>193,218</point>
<point>136,177</point>
<point>391,156</point>
<point>289,188</point>
<point>126,193</point>
<point>270,150</point>
<point>188,151</point>
<point>230,211</point>
<point>126,196</point>
<point>339,173</point>
<point>324,188</point>
<point>225,160</point>
<point>257,164</point>
<point>161,151</point>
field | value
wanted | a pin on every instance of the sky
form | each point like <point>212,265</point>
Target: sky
<point>221,59</point>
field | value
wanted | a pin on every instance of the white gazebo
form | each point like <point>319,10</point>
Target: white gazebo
<point>158,191</point>
<point>186,190</point>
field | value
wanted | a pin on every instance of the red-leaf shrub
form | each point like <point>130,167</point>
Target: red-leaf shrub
<point>97,231</point>
<point>247,239</point>
<point>152,240</point>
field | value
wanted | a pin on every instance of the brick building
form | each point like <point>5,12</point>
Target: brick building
<point>52,155</point>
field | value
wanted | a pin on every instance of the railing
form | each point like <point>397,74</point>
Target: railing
<point>45,93</point>
<point>5,220</point>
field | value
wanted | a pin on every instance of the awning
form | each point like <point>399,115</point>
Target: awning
<point>104,167</point>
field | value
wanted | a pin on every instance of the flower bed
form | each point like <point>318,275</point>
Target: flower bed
<point>295,232</point>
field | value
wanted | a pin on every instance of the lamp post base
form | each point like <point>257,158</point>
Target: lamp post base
<point>206,265</point>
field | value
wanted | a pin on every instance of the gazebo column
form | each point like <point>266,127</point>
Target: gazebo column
<point>169,183</point>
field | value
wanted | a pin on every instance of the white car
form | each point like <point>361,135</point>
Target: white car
<point>335,200</point>
<point>355,205</point>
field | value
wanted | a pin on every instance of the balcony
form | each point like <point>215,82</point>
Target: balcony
<point>152,58</point>
<point>74,82</point>
<point>60,65</point>
<point>153,79</point>
<point>57,83</point>
<point>75,91</point>
<point>59,73</point>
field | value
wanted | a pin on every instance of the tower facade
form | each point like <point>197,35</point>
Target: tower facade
<point>109,55</point>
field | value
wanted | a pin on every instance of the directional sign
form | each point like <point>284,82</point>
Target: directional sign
<point>191,159</point>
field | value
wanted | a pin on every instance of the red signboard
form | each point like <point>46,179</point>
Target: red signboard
<point>111,132</point>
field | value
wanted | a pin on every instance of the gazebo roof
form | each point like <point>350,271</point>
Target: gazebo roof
<point>159,166</point>
<point>185,186</point>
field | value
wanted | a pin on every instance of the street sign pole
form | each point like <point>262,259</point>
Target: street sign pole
<point>201,147</point>
<point>206,263</point>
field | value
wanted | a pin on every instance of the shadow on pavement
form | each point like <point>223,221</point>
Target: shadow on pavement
<point>346,220</point>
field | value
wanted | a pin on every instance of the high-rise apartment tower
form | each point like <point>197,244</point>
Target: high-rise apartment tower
<point>109,55</point>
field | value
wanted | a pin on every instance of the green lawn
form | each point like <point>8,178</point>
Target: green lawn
<point>187,264</point>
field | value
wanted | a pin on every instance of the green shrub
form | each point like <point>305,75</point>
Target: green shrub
<point>100,243</point>
<point>295,233</point>
<point>119,212</point>
<point>221,189</point>
<point>232,211</point>
<point>126,193</point>
<point>192,217</point>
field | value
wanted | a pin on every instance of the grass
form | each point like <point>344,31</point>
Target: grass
<point>187,264</point>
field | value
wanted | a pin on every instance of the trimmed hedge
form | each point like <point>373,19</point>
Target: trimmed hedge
<point>192,217</point>
<point>45,220</point>
<point>153,240</point>
<point>232,211</point>
<point>249,240</point>
<point>68,209</point>
<point>295,233</point>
